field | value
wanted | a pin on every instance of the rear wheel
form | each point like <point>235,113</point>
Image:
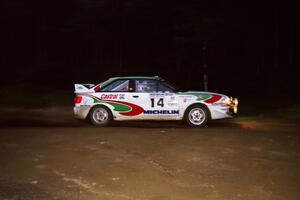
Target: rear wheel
<point>197,116</point>
<point>100,116</point>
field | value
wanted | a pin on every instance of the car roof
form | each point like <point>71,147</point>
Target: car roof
<point>110,80</point>
<point>137,77</point>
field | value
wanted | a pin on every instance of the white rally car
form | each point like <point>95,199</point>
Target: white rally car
<point>148,98</point>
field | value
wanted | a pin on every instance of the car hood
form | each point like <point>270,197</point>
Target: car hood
<point>207,97</point>
<point>196,93</point>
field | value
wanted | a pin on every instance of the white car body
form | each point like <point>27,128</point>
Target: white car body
<point>129,98</point>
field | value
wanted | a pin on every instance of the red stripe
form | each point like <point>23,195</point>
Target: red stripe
<point>97,88</point>
<point>213,99</point>
<point>135,109</point>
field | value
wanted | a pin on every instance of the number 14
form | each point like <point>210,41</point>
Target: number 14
<point>160,102</point>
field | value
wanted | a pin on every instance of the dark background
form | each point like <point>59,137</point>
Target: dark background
<point>249,47</point>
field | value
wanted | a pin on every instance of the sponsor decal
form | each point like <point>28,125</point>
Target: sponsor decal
<point>124,108</point>
<point>156,95</point>
<point>172,104</point>
<point>122,96</point>
<point>191,95</point>
<point>169,94</point>
<point>187,96</point>
<point>161,112</point>
<point>109,96</point>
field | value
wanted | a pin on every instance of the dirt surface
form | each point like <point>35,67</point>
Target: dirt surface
<point>50,156</point>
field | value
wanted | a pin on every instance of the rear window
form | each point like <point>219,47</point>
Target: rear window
<point>117,86</point>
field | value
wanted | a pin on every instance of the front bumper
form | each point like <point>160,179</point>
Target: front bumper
<point>234,105</point>
<point>232,111</point>
<point>81,112</point>
<point>226,109</point>
<point>220,111</point>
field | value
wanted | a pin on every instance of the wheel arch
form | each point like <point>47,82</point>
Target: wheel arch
<point>197,104</point>
<point>100,105</point>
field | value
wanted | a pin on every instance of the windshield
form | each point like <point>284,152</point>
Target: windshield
<point>174,88</point>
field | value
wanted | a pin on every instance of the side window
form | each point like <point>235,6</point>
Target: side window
<point>163,88</point>
<point>145,86</point>
<point>117,86</point>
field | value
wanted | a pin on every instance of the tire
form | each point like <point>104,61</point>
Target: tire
<point>100,116</point>
<point>197,116</point>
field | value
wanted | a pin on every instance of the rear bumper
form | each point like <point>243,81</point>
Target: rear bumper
<point>81,112</point>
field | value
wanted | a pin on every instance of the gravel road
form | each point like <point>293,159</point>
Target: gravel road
<point>60,158</point>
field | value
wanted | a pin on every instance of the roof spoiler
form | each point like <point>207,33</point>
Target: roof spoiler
<point>83,88</point>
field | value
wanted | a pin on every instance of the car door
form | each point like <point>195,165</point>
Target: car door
<point>158,101</point>
<point>170,108</point>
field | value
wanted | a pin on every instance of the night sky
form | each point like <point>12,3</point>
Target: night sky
<point>248,47</point>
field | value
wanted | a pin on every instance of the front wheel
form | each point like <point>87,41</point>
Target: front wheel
<point>197,116</point>
<point>100,116</point>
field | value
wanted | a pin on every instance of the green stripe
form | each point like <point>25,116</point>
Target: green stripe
<point>200,96</point>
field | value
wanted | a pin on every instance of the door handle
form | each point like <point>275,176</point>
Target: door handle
<point>135,96</point>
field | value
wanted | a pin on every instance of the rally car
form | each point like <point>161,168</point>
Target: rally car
<point>148,98</point>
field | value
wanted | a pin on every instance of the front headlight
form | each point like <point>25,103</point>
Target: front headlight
<point>234,105</point>
<point>235,101</point>
<point>232,102</point>
<point>227,101</point>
